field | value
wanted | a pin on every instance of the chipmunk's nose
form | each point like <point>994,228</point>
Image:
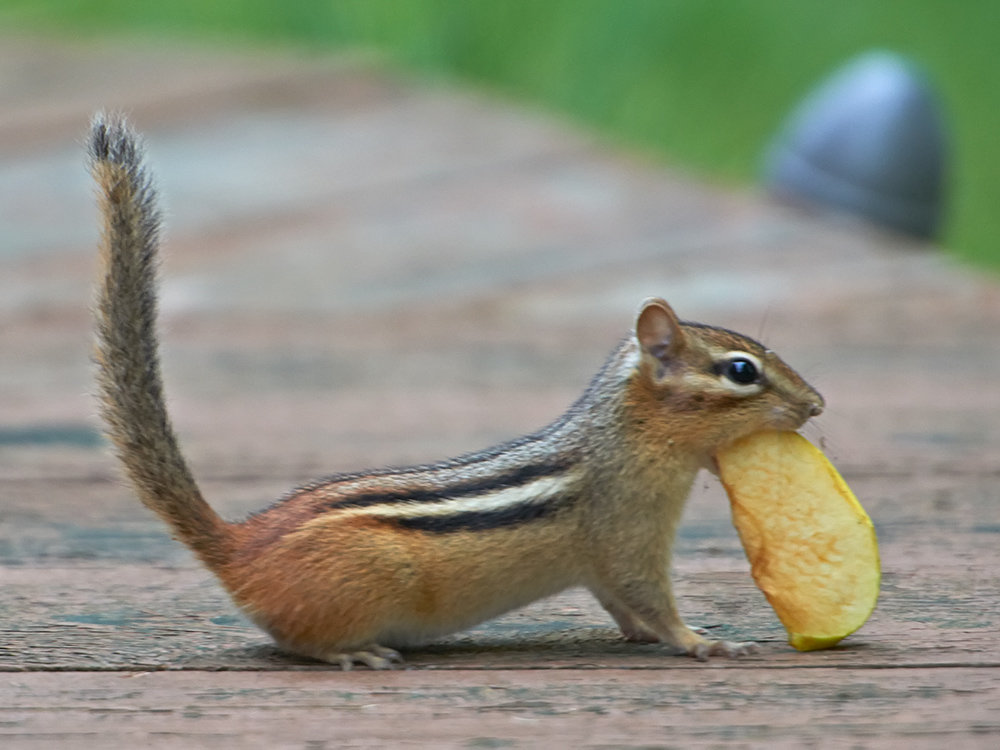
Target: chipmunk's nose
<point>816,408</point>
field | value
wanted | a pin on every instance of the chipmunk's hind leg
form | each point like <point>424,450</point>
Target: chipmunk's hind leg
<point>373,656</point>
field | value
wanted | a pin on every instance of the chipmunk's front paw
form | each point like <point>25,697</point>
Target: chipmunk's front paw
<point>705,649</point>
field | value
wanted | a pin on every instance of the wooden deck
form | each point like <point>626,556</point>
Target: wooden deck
<point>366,270</point>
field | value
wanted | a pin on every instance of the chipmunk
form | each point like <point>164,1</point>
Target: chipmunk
<point>351,567</point>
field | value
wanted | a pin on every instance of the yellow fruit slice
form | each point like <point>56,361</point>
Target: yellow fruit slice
<point>811,546</point>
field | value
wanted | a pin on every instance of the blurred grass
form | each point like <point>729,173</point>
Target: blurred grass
<point>703,84</point>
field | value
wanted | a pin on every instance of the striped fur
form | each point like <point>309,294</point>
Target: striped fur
<point>519,478</point>
<point>489,498</point>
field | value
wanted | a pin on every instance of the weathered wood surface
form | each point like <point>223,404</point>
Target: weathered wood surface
<point>705,707</point>
<point>364,271</point>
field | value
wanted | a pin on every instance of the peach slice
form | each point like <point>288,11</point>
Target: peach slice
<point>811,546</point>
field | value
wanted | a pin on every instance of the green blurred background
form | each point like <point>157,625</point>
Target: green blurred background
<point>700,85</point>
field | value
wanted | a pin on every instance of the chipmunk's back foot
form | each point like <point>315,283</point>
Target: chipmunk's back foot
<point>372,656</point>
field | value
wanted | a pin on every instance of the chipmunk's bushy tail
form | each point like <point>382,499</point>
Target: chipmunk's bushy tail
<point>131,389</point>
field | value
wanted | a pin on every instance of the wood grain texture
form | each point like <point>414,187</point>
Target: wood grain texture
<point>599,709</point>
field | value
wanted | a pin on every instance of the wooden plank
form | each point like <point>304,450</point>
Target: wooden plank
<point>138,617</point>
<point>702,707</point>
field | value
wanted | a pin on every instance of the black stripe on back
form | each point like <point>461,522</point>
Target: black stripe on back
<point>482,520</point>
<point>516,478</point>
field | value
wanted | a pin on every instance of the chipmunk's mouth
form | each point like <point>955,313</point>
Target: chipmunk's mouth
<point>793,417</point>
<point>785,418</point>
<point>713,465</point>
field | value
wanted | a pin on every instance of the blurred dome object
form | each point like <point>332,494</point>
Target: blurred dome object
<point>870,141</point>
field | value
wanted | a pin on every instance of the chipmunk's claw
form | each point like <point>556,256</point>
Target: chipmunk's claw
<point>374,657</point>
<point>731,649</point>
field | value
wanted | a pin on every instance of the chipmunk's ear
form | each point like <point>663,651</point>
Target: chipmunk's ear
<point>658,331</point>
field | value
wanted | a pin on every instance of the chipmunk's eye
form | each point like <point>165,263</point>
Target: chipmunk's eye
<point>741,371</point>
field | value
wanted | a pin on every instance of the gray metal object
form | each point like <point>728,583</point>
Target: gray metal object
<point>871,141</point>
